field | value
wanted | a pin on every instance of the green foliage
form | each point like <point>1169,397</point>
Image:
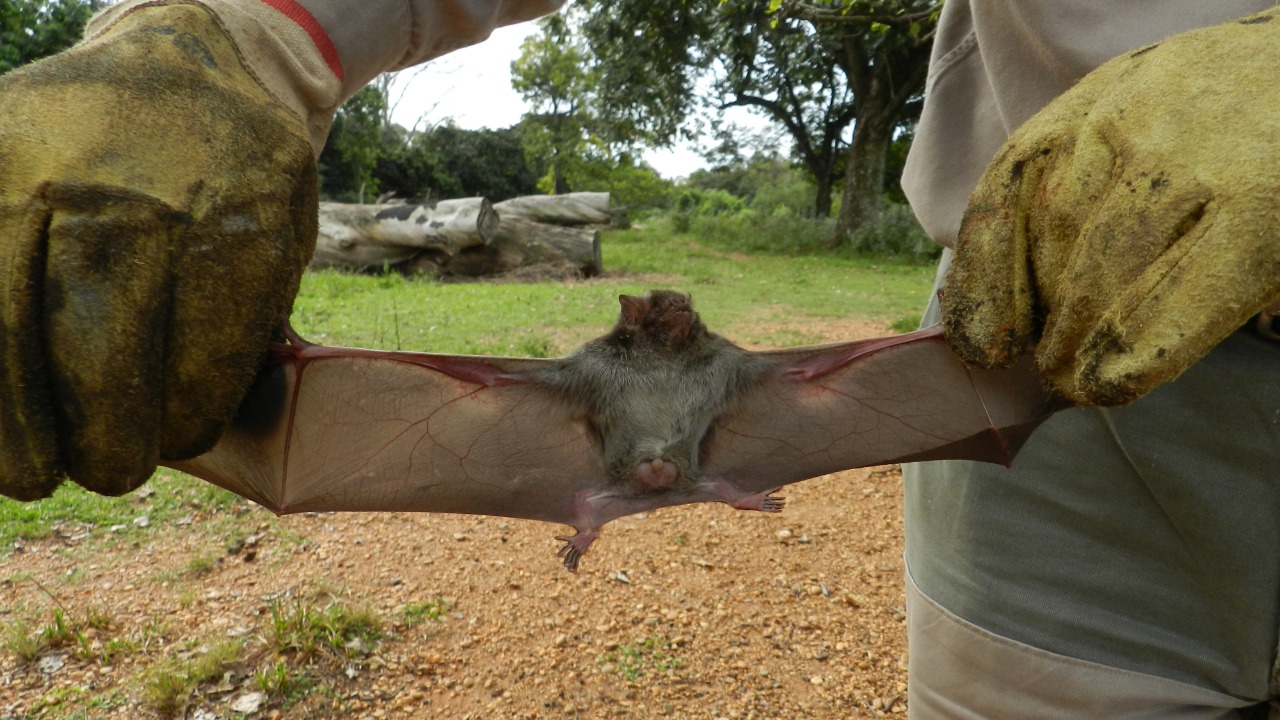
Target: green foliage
<point>707,203</point>
<point>552,76</point>
<point>836,76</point>
<point>765,182</point>
<point>444,162</point>
<point>307,630</point>
<point>779,233</point>
<point>434,610</point>
<point>167,685</point>
<point>486,163</point>
<point>631,184</point>
<point>20,643</point>
<point>783,232</point>
<point>34,29</point>
<point>569,127</point>
<point>897,234</point>
<point>279,681</point>
<point>896,162</point>
<point>633,660</point>
<point>354,146</point>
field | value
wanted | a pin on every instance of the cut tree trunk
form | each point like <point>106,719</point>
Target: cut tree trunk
<point>463,237</point>
<point>581,208</point>
<point>371,237</point>
<point>522,243</point>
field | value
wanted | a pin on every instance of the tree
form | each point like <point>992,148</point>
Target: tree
<point>573,126</point>
<point>552,77</point>
<point>33,29</point>
<point>355,143</point>
<point>485,163</point>
<point>838,75</point>
<point>882,47</point>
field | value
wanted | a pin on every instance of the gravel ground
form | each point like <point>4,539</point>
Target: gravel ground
<point>691,612</point>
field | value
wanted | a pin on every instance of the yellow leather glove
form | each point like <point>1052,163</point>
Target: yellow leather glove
<point>157,208</point>
<point>1133,223</point>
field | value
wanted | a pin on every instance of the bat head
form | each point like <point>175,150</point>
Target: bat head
<point>664,317</point>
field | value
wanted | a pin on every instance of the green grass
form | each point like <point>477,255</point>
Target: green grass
<point>731,288</point>
<point>168,684</point>
<point>306,630</point>
<point>172,496</point>
<point>419,612</point>
<point>633,660</point>
<point>282,682</point>
<point>548,319</point>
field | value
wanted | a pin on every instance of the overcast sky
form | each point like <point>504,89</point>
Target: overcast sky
<point>473,86</point>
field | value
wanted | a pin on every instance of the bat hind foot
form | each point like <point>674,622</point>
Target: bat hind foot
<point>773,503</point>
<point>574,548</point>
<point>762,502</point>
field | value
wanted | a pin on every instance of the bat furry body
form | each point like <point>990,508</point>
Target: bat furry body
<point>658,412</point>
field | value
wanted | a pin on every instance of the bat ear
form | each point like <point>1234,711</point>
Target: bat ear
<point>634,309</point>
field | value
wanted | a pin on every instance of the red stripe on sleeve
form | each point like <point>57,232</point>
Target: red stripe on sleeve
<point>308,23</point>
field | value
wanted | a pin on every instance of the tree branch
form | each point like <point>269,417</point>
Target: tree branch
<point>805,11</point>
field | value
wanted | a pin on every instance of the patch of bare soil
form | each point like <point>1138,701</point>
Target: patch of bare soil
<point>690,612</point>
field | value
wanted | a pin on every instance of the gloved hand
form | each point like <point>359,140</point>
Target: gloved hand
<point>1133,223</point>
<point>157,208</point>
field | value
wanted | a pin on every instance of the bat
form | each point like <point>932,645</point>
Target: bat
<point>658,412</point>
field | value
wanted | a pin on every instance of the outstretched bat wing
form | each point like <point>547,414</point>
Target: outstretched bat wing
<point>344,429</point>
<point>360,430</point>
<point>822,409</point>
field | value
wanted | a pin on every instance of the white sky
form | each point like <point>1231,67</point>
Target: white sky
<point>473,86</point>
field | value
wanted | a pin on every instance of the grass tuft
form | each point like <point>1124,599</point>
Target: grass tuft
<point>633,660</point>
<point>168,685</point>
<point>434,610</point>
<point>307,630</point>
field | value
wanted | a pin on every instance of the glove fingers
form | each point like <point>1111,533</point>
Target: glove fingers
<point>1181,305</point>
<point>29,466</point>
<point>987,323</point>
<point>236,280</point>
<point>107,295</point>
<point>1143,228</point>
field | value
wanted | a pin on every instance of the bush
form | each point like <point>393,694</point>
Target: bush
<point>781,232</point>
<point>708,203</point>
<point>898,234</point>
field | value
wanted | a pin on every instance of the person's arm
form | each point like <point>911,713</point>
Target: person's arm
<point>314,54</point>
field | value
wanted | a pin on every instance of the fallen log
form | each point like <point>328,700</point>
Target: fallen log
<point>581,208</point>
<point>521,243</point>
<point>371,237</point>
<point>457,237</point>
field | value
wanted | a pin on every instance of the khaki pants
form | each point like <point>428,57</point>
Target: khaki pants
<point>959,670</point>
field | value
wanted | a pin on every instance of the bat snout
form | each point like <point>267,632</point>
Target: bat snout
<point>655,474</point>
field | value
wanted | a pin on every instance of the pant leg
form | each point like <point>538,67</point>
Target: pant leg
<point>1145,538</point>
<point>958,670</point>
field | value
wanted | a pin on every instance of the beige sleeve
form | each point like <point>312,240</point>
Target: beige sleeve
<point>996,63</point>
<point>312,55</point>
<point>372,36</point>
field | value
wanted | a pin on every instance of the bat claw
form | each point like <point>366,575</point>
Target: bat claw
<point>574,548</point>
<point>763,502</point>
<point>571,557</point>
<point>773,503</point>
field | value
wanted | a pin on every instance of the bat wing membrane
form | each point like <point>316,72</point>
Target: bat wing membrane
<point>873,402</point>
<point>344,429</point>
